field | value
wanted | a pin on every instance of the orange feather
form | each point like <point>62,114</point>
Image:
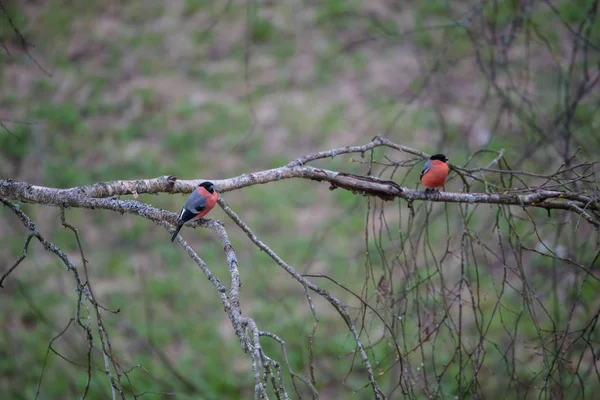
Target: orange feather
<point>436,175</point>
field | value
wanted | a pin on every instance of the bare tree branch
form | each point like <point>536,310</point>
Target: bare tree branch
<point>106,195</point>
<point>579,203</point>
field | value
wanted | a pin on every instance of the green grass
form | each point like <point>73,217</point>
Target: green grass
<point>260,30</point>
<point>435,7</point>
<point>575,11</point>
<point>423,36</point>
<point>284,50</point>
<point>15,144</point>
<point>91,126</point>
<point>499,12</point>
<point>192,7</point>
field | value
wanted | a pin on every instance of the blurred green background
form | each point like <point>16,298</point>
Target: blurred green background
<point>215,89</point>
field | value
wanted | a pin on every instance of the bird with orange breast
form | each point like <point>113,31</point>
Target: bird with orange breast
<point>435,172</point>
<point>198,204</point>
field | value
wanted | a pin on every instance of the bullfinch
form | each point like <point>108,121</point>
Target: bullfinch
<point>200,202</point>
<point>434,172</point>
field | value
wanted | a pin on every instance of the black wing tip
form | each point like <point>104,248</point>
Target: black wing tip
<point>176,232</point>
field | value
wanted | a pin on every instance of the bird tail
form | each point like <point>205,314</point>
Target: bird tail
<point>179,226</point>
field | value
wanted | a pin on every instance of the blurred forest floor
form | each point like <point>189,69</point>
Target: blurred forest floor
<point>213,89</point>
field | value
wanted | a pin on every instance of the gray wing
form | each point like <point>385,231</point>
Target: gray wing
<point>195,203</point>
<point>425,168</point>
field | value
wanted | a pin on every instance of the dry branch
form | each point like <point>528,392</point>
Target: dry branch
<point>84,196</point>
<point>106,195</point>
